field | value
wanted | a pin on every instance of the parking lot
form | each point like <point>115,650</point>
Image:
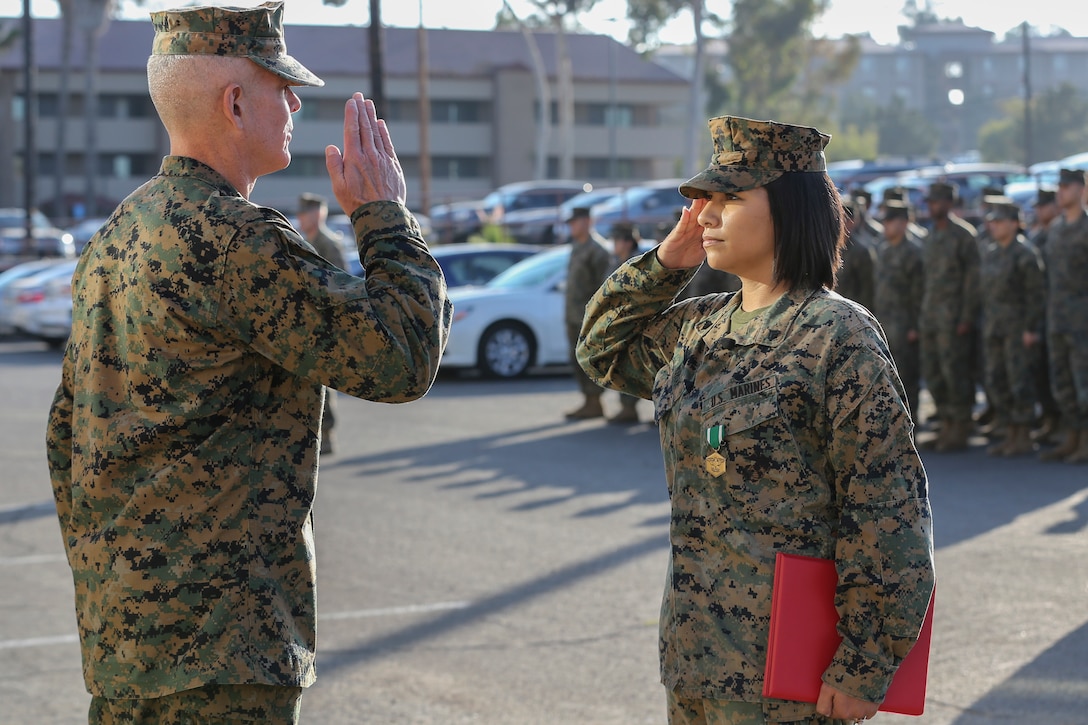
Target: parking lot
<point>481,560</point>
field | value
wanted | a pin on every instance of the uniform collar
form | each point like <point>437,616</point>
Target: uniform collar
<point>776,322</point>
<point>186,166</point>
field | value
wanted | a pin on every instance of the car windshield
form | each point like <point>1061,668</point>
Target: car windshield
<point>627,200</point>
<point>533,271</point>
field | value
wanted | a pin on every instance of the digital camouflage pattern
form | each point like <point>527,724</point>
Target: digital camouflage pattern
<point>750,153</point>
<point>1013,302</point>
<point>209,704</point>
<point>1067,324</point>
<point>855,277</point>
<point>897,294</point>
<point>950,298</point>
<point>587,267</point>
<point>183,438</point>
<point>255,33</point>
<point>820,462</point>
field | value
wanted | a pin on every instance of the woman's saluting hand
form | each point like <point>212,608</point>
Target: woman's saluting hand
<point>683,247</point>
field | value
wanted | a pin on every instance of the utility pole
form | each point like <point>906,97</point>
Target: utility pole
<point>424,119</point>
<point>1027,95</point>
<point>377,52</point>
<point>30,113</point>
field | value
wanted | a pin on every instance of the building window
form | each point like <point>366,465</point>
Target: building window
<point>460,111</point>
<point>460,167</point>
<point>321,109</point>
<point>597,114</point>
<point>902,66</point>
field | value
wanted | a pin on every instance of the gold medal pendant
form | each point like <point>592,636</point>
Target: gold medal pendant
<point>715,464</point>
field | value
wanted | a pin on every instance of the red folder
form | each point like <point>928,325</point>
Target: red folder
<point>803,638</point>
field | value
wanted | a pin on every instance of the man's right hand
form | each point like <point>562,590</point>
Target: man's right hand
<point>368,169</point>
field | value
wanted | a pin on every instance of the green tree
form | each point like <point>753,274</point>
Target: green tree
<point>1057,127</point>
<point>904,131</point>
<point>647,18</point>
<point>851,142</point>
<point>779,69</point>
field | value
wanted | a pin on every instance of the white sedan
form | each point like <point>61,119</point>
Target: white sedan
<point>515,321</point>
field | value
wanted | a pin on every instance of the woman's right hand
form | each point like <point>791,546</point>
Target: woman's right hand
<point>683,247</point>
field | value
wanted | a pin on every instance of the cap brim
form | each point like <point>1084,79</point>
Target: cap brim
<point>727,178</point>
<point>288,68</point>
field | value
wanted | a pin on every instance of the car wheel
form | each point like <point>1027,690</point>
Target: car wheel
<point>506,350</point>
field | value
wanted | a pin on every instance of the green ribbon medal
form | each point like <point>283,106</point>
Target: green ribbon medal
<point>715,462</point>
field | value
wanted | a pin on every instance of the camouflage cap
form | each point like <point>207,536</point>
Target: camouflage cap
<point>896,209</point>
<point>1045,196</point>
<point>894,193</point>
<point>1001,207</point>
<point>749,154</point>
<point>1071,176</point>
<point>254,33</point>
<point>941,191</point>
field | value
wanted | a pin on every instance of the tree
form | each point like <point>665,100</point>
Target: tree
<point>560,13</point>
<point>648,17</point>
<point>1057,128</point>
<point>772,53</point>
<point>904,131</point>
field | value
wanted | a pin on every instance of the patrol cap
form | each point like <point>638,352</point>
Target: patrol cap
<point>1001,207</point>
<point>1045,196</point>
<point>578,212</point>
<point>896,209</point>
<point>308,201</point>
<point>862,194</point>
<point>941,191</point>
<point>749,154</point>
<point>1071,176</point>
<point>254,33</point>
<point>894,193</point>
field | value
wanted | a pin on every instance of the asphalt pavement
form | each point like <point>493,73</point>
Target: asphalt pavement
<point>482,560</point>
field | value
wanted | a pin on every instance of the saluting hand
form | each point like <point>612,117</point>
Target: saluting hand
<point>368,169</point>
<point>683,247</point>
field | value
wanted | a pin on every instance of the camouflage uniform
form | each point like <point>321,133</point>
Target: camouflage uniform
<point>183,437</point>
<point>588,266</point>
<point>820,462</point>
<point>182,440</point>
<point>1012,284</point>
<point>950,298</point>
<point>1067,319</point>
<point>900,276</point>
<point>855,278</point>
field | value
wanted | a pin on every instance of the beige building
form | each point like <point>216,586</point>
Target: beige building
<point>482,121</point>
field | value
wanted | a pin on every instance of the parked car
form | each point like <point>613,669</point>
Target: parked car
<point>8,292</point>
<point>84,230</point>
<point>468,264</point>
<point>457,221</point>
<point>652,206</point>
<point>515,322</point>
<point>547,225</point>
<point>48,241</point>
<point>41,304</point>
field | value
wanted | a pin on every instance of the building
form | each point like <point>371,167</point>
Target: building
<point>482,122</point>
<point>958,76</point>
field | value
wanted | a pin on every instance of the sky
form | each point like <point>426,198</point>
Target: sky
<point>880,18</point>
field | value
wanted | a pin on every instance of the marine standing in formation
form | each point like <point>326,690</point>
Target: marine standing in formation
<point>783,426</point>
<point>1066,259</point>
<point>855,278</point>
<point>588,266</point>
<point>1013,308</point>
<point>183,438</point>
<point>900,278</point>
<point>949,313</point>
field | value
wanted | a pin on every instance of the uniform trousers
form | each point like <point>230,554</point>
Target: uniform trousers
<point>1069,377</point>
<point>688,711</point>
<point>946,367</point>
<point>208,705</point>
<point>1009,381</point>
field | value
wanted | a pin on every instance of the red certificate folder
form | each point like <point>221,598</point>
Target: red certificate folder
<point>803,638</point>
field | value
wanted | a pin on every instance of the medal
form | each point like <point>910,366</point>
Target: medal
<point>715,462</point>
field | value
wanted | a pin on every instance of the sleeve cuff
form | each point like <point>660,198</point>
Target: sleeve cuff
<point>859,675</point>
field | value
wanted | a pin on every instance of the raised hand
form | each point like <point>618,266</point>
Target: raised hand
<point>368,169</point>
<point>683,247</point>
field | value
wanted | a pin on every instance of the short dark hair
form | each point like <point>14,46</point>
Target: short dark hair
<point>808,229</point>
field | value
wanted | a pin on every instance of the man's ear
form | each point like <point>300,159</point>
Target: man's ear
<point>231,103</point>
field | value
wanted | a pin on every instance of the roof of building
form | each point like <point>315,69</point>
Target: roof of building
<point>331,51</point>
